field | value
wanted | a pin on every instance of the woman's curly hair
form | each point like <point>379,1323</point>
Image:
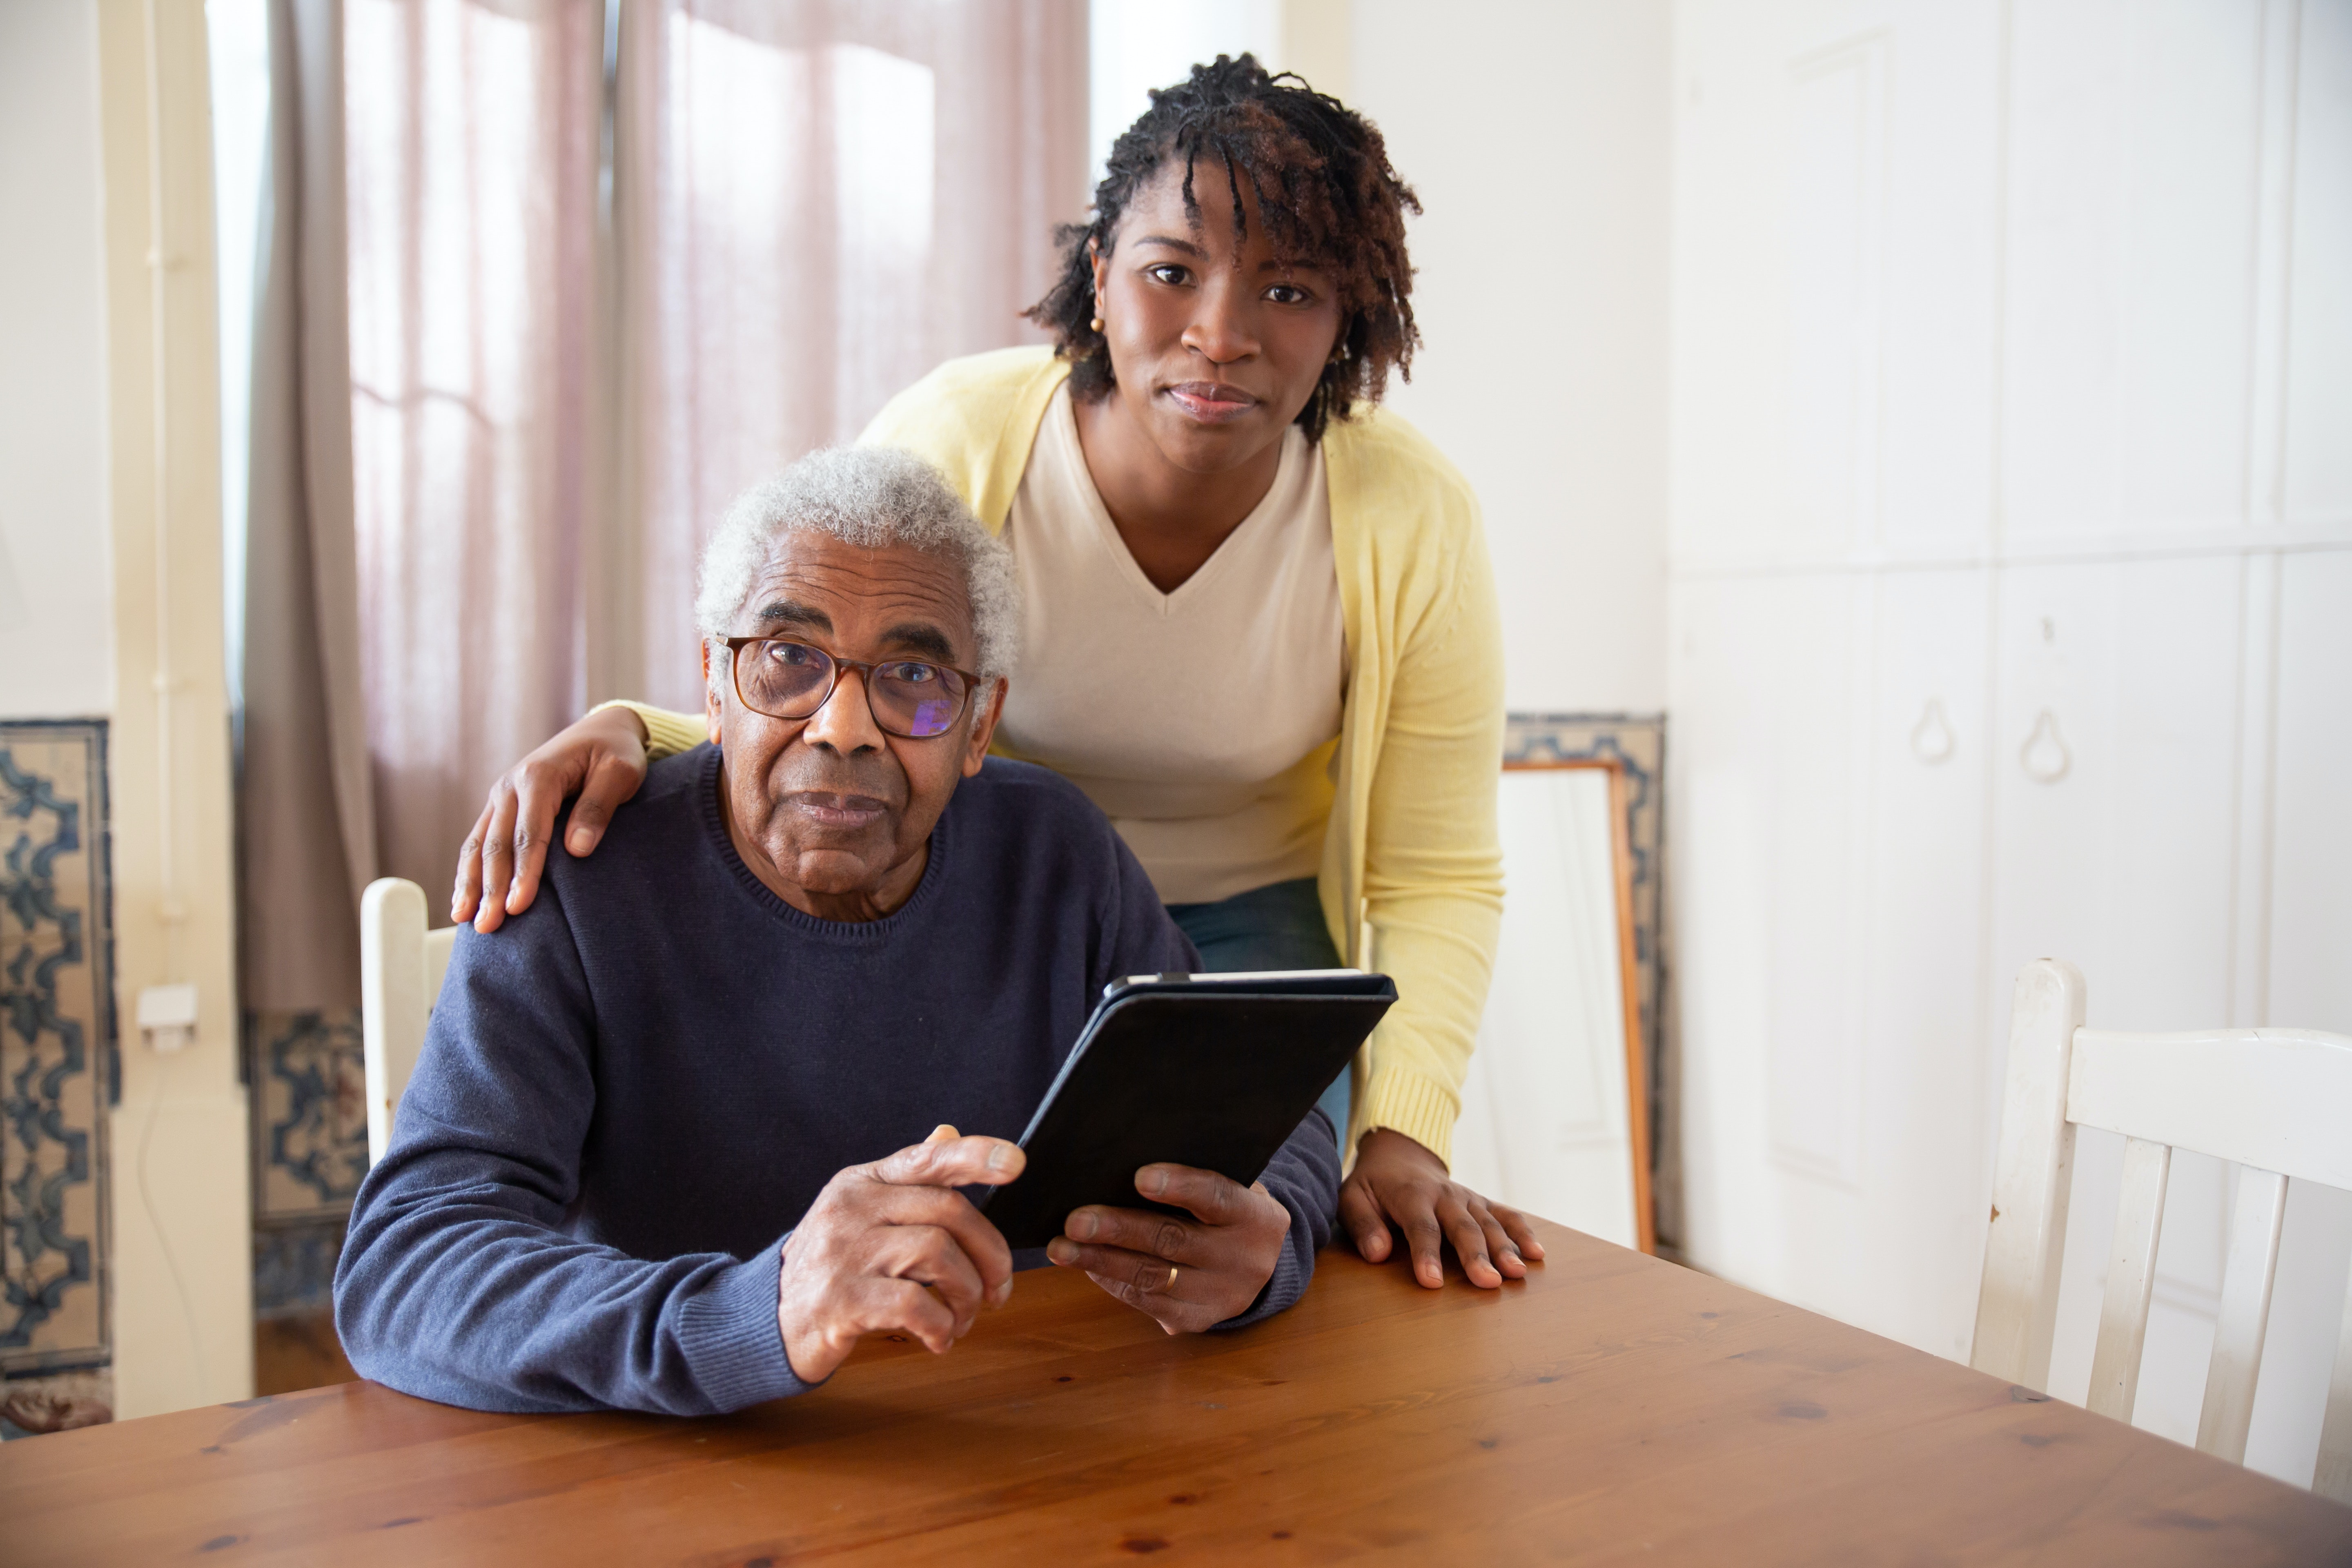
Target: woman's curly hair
<point>1321,173</point>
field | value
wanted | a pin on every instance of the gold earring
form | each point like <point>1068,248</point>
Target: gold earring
<point>1097,323</point>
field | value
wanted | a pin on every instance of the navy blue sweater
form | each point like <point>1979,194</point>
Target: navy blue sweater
<point>630,1093</point>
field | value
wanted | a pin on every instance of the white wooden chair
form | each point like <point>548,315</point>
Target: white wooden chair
<point>401,966</point>
<point>2277,1102</point>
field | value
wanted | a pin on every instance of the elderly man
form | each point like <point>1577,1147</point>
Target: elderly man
<point>646,1159</point>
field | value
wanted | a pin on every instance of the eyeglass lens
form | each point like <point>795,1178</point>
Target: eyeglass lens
<point>792,680</point>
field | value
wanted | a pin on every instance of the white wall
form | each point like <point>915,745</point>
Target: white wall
<point>1135,46</point>
<point>109,494</point>
<point>2010,534</point>
<point>1537,134</point>
<point>55,617</point>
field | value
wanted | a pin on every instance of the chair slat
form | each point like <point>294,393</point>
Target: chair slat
<point>2334,1477</point>
<point>2246,1283</point>
<point>2131,1277</point>
<point>2018,1307</point>
<point>395,995</point>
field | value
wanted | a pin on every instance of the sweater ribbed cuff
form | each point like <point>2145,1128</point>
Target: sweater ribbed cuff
<point>666,733</point>
<point>1420,1107</point>
<point>1293,1272</point>
<point>733,1345</point>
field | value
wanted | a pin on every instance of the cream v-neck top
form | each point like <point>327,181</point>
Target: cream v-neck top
<point>1201,721</point>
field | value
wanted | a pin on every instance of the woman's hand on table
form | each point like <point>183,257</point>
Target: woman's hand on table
<point>602,759</point>
<point>1397,1180</point>
<point>1184,1275</point>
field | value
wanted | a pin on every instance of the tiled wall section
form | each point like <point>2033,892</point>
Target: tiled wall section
<point>57,1058</point>
<point>309,1084</point>
<point>1639,744</point>
<point>309,1120</point>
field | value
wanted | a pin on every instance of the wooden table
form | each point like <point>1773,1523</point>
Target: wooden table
<point>1612,1408</point>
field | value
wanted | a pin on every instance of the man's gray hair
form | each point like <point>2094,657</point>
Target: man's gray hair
<point>871,497</point>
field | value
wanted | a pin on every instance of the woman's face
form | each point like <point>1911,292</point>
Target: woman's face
<point>1215,348</point>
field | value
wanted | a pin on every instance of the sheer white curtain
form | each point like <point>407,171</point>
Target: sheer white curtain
<point>817,203</point>
<point>471,164</point>
<point>607,265</point>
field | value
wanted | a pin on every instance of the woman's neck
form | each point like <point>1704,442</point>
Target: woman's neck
<point>1171,518</point>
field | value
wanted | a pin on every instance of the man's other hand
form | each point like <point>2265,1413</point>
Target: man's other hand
<point>1186,1274</point>
<point>892,1247</point>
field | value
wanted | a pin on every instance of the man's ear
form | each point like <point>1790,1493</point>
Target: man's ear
<point>713,708</point>
<point>983,727</point>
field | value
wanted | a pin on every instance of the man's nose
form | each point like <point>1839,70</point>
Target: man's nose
<point>1223,327</point>
<point>846,723</point>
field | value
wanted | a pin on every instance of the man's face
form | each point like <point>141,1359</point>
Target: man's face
<point>828,811</point>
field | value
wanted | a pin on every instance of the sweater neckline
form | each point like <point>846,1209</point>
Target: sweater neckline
<point>852,933</point>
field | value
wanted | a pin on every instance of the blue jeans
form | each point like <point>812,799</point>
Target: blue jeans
<point>1278,926</point>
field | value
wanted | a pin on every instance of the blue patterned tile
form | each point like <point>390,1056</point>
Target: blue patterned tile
<point>56,1042</point>
<point>308,1081</point>
<point>294,1267</point>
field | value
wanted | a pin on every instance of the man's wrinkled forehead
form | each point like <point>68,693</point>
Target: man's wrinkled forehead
<point>897,599</point>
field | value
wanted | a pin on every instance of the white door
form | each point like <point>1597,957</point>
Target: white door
<point>2012,560</point>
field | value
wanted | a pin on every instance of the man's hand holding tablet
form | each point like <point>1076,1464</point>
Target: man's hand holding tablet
<point>892,1247</point>
<point>1185,1275</point>
<point>881,1239</point>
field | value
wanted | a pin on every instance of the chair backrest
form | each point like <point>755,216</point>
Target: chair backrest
<point>2277,1103</point>
<point>401,966</point>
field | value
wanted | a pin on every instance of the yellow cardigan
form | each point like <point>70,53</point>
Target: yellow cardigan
<point>1411,877</point>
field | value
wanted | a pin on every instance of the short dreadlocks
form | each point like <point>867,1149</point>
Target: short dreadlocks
<point>1321,173</point>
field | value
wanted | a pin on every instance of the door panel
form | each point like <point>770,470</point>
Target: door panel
<point>2318,479</point>
<point>1762,786</point>
<point>1927,745</point>
<point>2113,783</point>
<point>1827,871</point>
<point>2310,949</point>
<point>2135,143</point>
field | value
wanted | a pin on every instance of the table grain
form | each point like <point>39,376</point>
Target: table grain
<point>1610,1408</point>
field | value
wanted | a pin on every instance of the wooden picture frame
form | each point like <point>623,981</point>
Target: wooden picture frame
<point>1488,1148</point>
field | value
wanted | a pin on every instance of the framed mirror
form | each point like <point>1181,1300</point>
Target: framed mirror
<point>1555,1113</point>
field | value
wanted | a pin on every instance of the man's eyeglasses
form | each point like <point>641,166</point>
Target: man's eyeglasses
<point>908,698</point>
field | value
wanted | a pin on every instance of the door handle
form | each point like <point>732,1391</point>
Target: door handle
<point>2045,756</point>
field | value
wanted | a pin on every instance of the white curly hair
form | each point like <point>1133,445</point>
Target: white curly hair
<point>871,497</point>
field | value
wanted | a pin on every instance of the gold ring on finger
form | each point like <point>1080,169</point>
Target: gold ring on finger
<point>1172,1272</point>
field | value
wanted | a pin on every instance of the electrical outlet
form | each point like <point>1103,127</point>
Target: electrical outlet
<point>167,1016</point>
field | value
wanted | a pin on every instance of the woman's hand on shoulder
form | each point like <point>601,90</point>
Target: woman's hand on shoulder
<point>602,759</point>
<point>1398,1181</point>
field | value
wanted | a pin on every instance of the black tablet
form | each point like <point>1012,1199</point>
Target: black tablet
<point>1209,1070</point>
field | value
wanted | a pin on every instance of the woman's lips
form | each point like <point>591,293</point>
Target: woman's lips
<point>1210,402</point>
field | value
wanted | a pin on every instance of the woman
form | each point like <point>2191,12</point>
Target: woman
<point>1261,630</point>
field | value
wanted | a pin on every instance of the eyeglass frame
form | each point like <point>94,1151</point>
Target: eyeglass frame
<point>865,669</point>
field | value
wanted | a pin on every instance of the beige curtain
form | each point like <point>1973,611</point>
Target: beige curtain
<point>471,161</point>
<point>306,817</point>
<point>605,266</point>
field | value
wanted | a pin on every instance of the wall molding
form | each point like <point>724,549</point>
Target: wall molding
<point>183,1268</point>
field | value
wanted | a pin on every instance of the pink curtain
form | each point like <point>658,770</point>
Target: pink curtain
<point>471,184</point>
<point>816,204</point>
<point>557,384</point>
